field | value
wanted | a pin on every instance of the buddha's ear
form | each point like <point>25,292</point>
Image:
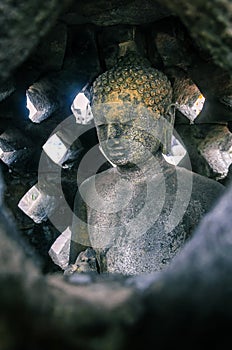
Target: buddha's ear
<point>168,129</point>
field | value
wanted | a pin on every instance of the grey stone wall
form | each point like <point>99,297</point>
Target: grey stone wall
<point>190,302</point>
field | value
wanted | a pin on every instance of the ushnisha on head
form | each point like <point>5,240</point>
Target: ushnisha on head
<point>131,104</point>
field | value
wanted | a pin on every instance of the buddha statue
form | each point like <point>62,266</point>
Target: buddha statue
<point>137,215</point>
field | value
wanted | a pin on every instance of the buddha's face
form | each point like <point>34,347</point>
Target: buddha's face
<point>128,137</point>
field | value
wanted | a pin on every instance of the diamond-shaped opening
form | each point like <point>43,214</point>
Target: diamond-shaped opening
<point>81,109</point>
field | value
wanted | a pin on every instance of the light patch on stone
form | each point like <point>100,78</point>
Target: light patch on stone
<point>9,158</point>
<point>198,105</point>
<point>178,152</point>
<point>55,149</point>
<point>191,111</point>
<point>37,205</point>
<point>81,109</point>
<point>59,251</point>
<point>216,148</point>
<point>44,106</point>
<point>31,108</point>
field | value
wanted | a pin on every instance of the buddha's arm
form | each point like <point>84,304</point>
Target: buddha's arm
<point>80,237</point>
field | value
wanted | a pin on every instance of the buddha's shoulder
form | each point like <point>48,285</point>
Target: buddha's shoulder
<point>105,180</point>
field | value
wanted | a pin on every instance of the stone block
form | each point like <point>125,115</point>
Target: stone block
<point>6,89</point>
<point>81,109</point>
<point>59,251</point>
<point>37,205</point>
<point>42,100</point>
<point>15,148</point>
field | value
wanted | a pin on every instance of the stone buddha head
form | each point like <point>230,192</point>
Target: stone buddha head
<point>130,105</point>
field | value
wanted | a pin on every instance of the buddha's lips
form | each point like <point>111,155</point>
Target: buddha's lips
<point>116,150</point>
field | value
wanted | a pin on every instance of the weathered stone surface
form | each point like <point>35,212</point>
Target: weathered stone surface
<point>81,61</point>
<point>209,24</point>
<point>189,304</point>
<point>171,45</point>
<point>228,179</point>
<point>59,251</point>
<point>110,38</point>
<point>81,109</point>
<point>128,214</point>
<point>16,148</point>
<point>135,82</point>
<point>217,91</point>
<point>49,54</point>
<point>14,139</point>
<point>7,88</point>
<point>125,312</point>
<point>186,95</point>
<point>180,53</point>
<point>208,147</point>
<point>42,99</point>
<point>214,111</point>
<point>114,12</point>
<point>216,148</point>
<point>22,26</point>
<point>85,262</point>
<point>57,89</point>
<point>37,204</point>
<point>62,153</point>
<point>39,235</point>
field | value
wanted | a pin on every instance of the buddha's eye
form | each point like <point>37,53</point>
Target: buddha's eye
<point>129,123</point>
<point>102,127</point>
<point>99,126</point>
<point>102,130</point>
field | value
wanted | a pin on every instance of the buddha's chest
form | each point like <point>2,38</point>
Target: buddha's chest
<point>131,210</point>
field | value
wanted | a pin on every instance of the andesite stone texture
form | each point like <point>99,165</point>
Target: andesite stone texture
<point>187,304</point>
<point>107,13</point>
<point>143,233</point>
<point>209,23</point>
<point>22,26</point>
<point>208,146</point>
